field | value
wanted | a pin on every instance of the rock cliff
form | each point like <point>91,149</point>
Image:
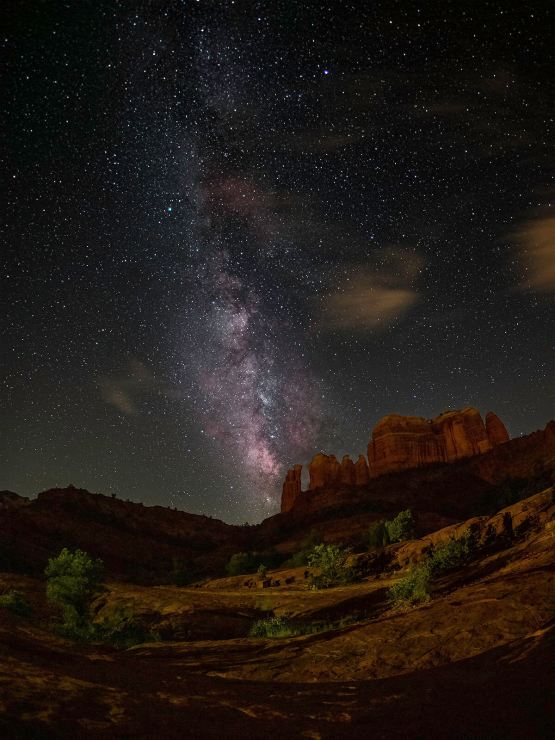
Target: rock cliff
<point>291,487</point>
<point>402,443</point>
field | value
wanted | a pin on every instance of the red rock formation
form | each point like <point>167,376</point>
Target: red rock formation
<point>347,471</point>
<point>403,442</point>
<point>496,431</point>
<point>291,487</point>
<point>323,470</point>
<point>362,476</point>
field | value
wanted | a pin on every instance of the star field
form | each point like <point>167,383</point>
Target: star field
<point>238,233</point>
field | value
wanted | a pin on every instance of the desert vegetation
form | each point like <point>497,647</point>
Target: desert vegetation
<point>15,602</point>
<point>73,580</point>
<point>332,563</point>
<point>387,531</point>
<point>414,588</point>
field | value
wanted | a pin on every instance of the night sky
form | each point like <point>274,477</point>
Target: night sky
<point>237,233</point>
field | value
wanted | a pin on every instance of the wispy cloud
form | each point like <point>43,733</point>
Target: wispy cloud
<point>124,392</point>
<point>372,297</point>
<point>536,242</point>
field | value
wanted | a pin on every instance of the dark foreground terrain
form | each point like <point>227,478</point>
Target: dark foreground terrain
<point>475,661</point>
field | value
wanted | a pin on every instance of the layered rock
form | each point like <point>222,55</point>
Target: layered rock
<point>495,429</point>
<point>362,475</point>
<point>403,442</point>
<point>291,487</point>
<point>324,470</point>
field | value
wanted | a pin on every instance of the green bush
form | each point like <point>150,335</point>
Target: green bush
<point>123,629</point>
<point>16,603</point>
<point>262,571</point>
<point>378,536</point>
<point>273,627</point>
<point>279,627</point>
<point>402,527</point>
<point>384,532</point>
<point>301,558</point>
<point>333,564</point>
<point>451,555</point>
<point>72,581</point>
<point>241,563</point>
<point>415,586</point>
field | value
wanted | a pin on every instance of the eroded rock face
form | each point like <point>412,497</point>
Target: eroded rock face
<point>291,487</point>
<point>495,429</point>
<point>362,476</point>
<point>403,442</point>
<point>324,470</point>
<point>347,471</point>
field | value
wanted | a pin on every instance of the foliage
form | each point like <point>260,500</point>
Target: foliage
<point>73,580</point>
<point>279,627</point>
<point>15,602</point>
<point>273,627</point>
<point>300,558</point>
<point>122,629</point>
<point>241,563</point>
<point>262,571</point>
<point>415,586</point>
<point>333,564</point>
<point>451,555</point>
<point>182,573</point>
<point>384,532</point>
<point>402,527</point>
<point>378,536</point>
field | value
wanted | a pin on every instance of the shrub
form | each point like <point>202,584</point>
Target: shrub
<point>413,588</point>
<point>301,558</point>
<point>123,629</point>
<point>273,627</point>
<point>262,571</point>
<point>451,555</point>
<point>16,603</point>
<point>279,627</point>
<point>378,536</point>
<point>181,574</point>
<point>73,580</point>
<point>333,564</point>
<point>241,563</point>
<point>402,527</point>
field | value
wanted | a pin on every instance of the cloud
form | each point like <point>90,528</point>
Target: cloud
<point>124,392</point>
<point>536,240</point>
<point>372,297</point>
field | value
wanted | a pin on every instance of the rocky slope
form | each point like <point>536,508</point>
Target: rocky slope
<point>485,640</point>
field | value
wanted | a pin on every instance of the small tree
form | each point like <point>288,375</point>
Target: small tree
<point>262,571</point>
<point>241,563</point>
<point>402,527</point>
<point>333,564</point>
<point>73,580</point>
<point>378,536</point>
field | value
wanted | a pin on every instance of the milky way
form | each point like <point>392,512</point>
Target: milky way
<point>240,233</point>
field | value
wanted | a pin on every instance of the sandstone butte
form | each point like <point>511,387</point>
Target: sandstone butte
<point>400,443</point>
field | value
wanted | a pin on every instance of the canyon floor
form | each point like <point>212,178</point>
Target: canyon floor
<point>475,661</point>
